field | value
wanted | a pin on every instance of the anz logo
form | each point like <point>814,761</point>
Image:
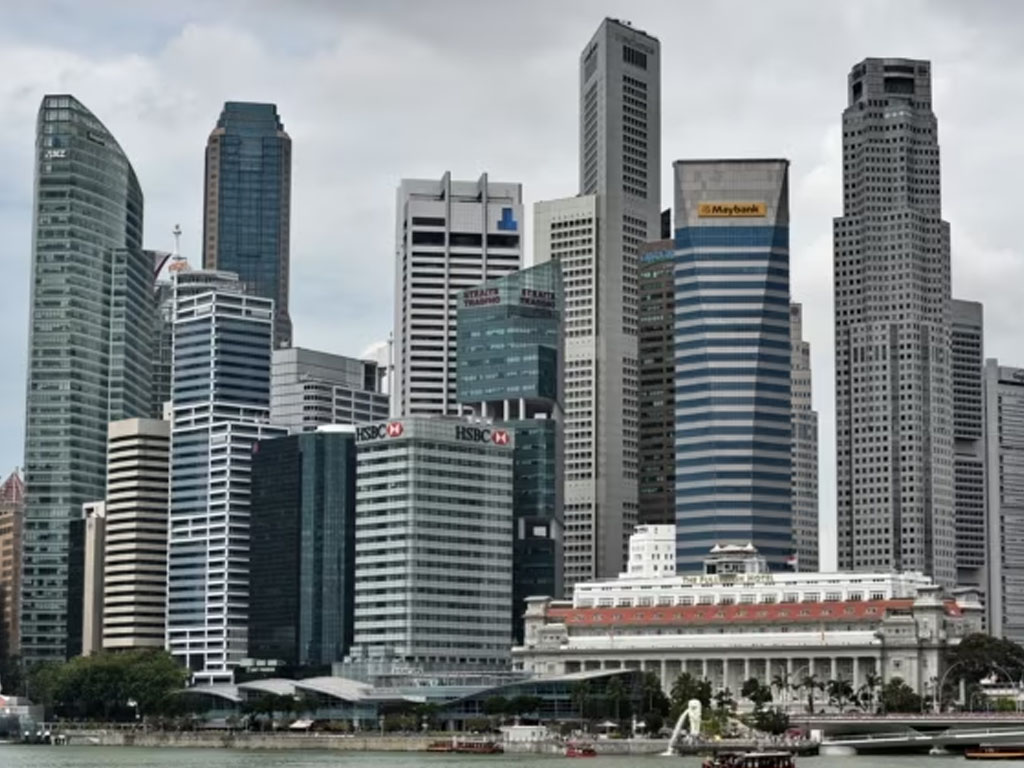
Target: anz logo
<point>506,223</point>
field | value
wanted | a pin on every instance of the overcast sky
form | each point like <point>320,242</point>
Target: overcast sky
<point>374,91</point>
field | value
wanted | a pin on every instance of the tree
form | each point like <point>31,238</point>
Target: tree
<point>757,692</point>
<point>867,694</point>
<point>580,696</point>
<point>653,722</point>
<point>839,692</point>
<point>524,705</point>
<point>897,696</point>
<point>725,704</point>
<point>615,692</point>
<point>687,687</point>
<point>495,705</point>
<point>810,683</point>
<point>979,655</point>
<point>771,720</point>
<point>654,698</point>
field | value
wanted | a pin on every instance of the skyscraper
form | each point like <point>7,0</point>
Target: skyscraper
<point>968,363</point>
<point>510,373</point>
<point>894,423</point>
<point>247,204</point>
<point>221,406</point>
<point>88,345</point>
<point>732,359</point>
<point>12,523</point>
<point>597,238</point>
<point>450,235</point>
<point>302,547</point>
<point>804,452</point>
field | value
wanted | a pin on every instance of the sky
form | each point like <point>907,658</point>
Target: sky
<point>371,92</point>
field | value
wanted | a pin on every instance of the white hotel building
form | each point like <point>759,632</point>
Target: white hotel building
<point>739,621</point>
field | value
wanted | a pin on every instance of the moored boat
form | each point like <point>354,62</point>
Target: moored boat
<point>580,749</point>
<point>750,760</point>
<point>993,752</point>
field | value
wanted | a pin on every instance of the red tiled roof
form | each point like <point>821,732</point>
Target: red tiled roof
<point>775,613</point>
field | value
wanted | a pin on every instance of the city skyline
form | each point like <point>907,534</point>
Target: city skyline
<point>164,135</point>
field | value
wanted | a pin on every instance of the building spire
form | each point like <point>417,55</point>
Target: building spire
<point>178,262</point>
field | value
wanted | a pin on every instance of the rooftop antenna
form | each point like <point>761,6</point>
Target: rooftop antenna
<point>178,262</point>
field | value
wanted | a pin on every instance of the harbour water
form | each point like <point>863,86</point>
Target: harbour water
<point>12,756</point>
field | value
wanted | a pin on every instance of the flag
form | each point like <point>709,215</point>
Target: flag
<point>793,561</point>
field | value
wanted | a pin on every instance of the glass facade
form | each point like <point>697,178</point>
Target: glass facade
<point>91,308</point>
<point>510,372</point>
<point>733,405</point>
<point>246,226</point>
<point>302,548</point>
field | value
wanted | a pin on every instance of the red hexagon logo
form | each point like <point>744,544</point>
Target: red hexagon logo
<point>395,429</point>
<point>499,437</point>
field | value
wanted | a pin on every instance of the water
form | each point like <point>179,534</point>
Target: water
<point>137,757</point>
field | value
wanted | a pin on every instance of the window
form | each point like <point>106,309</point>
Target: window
<point>634,57</point>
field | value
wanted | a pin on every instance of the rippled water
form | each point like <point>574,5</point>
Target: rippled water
<point>134,757</point>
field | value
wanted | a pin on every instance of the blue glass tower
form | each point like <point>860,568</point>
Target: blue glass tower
<point>732,359</point>
<point>247,211</point>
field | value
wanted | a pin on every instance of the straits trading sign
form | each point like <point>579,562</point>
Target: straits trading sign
<point>731,210</point>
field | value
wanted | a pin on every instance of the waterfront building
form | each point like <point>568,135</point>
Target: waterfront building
<point>739,620</point>
<point>510,374</point>
<point>733,404</point>
<point>247,205</point>
<point>221,406</point>
<point>449,235</point>
<point>434,513</point>
<point>12,523</point>
<point>657,384</point>
<point>88,349</point>
<point>804,449</point>
<point>968,362</point>
<point>1004,456</point>
<point>309,389</point>
<point>302,547</point>
<point>652,551</point>
<point>135,551</point>
<point>894,409</point>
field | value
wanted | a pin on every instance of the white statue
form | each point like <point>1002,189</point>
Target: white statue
<point>693,713</point>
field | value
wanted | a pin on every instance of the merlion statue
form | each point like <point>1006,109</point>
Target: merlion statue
<point>693,713</point>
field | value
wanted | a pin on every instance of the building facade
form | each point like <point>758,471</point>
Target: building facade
<point>309,389</point>
<point>894,422</point>
<point>657,482</point>
<point>1004,456</point>
<point>510,374</point>
<point>247,204</point>
<point>735,623</point>
<point>449,235</point>
<point>94,538</point>
<point>221,406</point>
<point>733,406</point>
<point>968,362</point>
<point>652,551</point>
<point>302,548</point>
<point>88,347</point>
<point>12,524</point>
<point>135,551</point>
<point>804,449</point>
<point>434,515</point>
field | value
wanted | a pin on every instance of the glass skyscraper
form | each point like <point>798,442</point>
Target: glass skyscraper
<point>510,372</point>
<point>302,547</point>
<point>732,359</point>
<point>247,210</point>
<point>91,308</point>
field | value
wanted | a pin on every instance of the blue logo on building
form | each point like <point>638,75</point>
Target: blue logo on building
<point>506,223</point>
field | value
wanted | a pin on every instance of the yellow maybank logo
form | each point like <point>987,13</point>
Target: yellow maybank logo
<point>729,210</point>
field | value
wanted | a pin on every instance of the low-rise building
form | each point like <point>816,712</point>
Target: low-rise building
<point>738,620</point>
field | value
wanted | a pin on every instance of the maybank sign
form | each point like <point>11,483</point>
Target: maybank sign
<point>731,210</point>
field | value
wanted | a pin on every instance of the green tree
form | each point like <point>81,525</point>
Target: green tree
<point>897,696</point>
<point>810,684</point>
<point>725,704</point>
<point>616,693</point>
<point>979,655</point>
<point>839,692</point>
<point>495,705</point>
<point>867,694</point>
<point>654,698</point>
<point>580,696</point>
<point>757,692</point>
<point>687,687</point>
<point>771,720</point>
<point>653,722</point>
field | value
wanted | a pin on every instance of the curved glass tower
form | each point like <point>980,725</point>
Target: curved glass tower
<point>88,349</point>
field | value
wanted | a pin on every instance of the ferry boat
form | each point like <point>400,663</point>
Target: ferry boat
<point>466,747</point>
<point>580,749</point>
<point>985,752</point>
<point>750,760</point>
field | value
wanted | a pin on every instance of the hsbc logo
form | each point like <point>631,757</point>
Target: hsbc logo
<point>482,435</point>
<point>499,437</point>
<point>379,431</point>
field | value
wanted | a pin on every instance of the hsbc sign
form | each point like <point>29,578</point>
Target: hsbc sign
<point>482,435</point>
<point>469,433</point>
<point>379,431</point>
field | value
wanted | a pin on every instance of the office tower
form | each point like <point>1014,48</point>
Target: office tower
<point>450,235</point>
<point>88,347</point>
<point>732,359</point>
<point>135,552</point>
<point>434,563</point>
<point>302,547</point>
<point>894,424</point>
<point>247,193</point>
<point>804,450</point>
<point>1004,456</point>
<point>309,389</point>
<point>510,373</point>
<point>221,396</point>
<point>94,531</point>
<point>657,385</point>
<point>162,351</point>
<point>968,362</point>
<point>12,523</point>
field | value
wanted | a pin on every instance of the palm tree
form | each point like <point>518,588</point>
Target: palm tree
<point>810,684</point>
<point>866,694</point>
<point>839,692</point>
<point>615,692</point>
<point>581,697</point>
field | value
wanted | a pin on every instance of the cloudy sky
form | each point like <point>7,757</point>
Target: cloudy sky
<point>374,91</point>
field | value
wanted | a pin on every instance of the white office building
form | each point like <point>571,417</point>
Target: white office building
<point>652,551</point>
<point>450,235</point>
<point>433,571</point>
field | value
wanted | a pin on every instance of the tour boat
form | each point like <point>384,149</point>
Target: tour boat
<point>995,753</point>
<point>580,749</point>
<point>750,760</point>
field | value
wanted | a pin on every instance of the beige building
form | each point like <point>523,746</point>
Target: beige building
<point>93,513</point>
<point>12,520</point>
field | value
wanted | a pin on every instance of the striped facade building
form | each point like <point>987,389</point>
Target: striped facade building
<point>732,359</point>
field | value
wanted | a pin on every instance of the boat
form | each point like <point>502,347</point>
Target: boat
<point>580,749</point>
<point>986,752</point>
<point>750,760</point>
<point>466,747</point>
